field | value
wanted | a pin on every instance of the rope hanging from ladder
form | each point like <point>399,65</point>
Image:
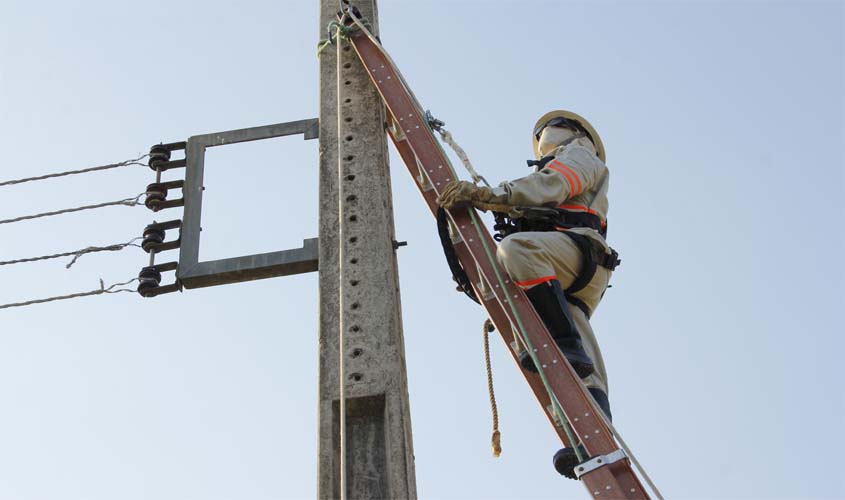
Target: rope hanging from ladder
<point>496,439</point>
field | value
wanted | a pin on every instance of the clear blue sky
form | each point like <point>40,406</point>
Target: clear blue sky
<point>724,129</point>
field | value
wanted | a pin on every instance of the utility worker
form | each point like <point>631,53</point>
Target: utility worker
<point>554,244</point>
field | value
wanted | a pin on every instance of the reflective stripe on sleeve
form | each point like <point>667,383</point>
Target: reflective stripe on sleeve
<point>571,176</point>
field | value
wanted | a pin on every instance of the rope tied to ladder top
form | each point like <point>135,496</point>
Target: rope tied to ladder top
<point>337,29</point>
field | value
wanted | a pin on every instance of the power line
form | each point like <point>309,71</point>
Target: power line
<point>129,202</point>
<point>76,254</point>
<point>133,161</point>
<point>100,291</point>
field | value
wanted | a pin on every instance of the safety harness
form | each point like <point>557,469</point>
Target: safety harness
<point>523,219</point>
<point>458,273</point>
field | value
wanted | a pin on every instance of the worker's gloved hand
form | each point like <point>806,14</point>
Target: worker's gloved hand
<point>460,193</point>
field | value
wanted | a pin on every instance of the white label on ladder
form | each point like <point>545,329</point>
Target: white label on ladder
<point>396,132</point>
<point>422,179</point>
<point>454,235</point>
<point>555,415</point>
<point>483,287</point>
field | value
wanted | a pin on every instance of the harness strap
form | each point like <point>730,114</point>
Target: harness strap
<point>592,259</point>
<point>588,269</point>
<point>458,273</point>
<point>580,304</point>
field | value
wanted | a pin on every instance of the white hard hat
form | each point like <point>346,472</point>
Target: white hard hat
<point>568,115</point>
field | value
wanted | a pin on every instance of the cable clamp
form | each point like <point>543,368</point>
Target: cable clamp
<point>599,461</point>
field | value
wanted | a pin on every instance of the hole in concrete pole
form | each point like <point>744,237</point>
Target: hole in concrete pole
<point>351,197</point>
<point>356,377</point>
<point>353,261</point>
<point>349,157</point>
<point>355,328</point>
<point>348,119</point>
<point>347,100</point>
<point>357,352</point>
<point>347,82</point>
<point>350,177</point>
<point>353,218</point>
<point>347,65</point>
<point>353,239</point>
<point>346,49</point>
<point>354,282</point>
<point>348,138</point>
<point>355,305</point>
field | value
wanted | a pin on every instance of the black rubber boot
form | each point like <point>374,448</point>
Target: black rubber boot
<point>549,301</point>
<point>565,459</point>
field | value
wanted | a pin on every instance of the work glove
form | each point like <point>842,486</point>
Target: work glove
<point>461,193</point>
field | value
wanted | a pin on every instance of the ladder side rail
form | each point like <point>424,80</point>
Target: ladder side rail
<point>564,384</point>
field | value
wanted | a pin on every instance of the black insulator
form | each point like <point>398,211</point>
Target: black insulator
<point>150,273</point>
<point>156,195</point>
<point>152,236</point>
<point>158,155</point>
<point>148,279</point>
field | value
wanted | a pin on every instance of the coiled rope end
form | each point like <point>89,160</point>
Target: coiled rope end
<point>497,443</point>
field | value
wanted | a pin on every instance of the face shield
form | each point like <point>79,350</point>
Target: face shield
<point>553,136</point>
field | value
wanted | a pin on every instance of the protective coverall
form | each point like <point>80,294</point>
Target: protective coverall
<point>576,181</point>
<point>573,178</point>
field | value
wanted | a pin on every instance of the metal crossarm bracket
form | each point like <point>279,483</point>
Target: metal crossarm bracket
<point>194,274</point>
<point>599,461</point>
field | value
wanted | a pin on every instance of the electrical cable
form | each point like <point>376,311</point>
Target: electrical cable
<point>76,254</point>
<point>129,202</point>
<point>103,289</point>
<point>133,161</point>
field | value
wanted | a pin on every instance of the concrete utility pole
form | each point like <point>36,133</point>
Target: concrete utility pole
<point>359,289</point>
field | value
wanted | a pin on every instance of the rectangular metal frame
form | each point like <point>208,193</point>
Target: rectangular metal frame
<point>195,274</point>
